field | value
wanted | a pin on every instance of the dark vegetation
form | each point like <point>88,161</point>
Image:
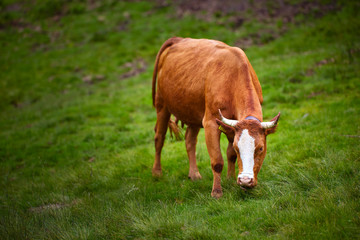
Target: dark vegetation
<point>76,121</point>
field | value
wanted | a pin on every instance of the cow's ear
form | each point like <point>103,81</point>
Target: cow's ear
<point>273,129</point>
<point>270,130</point>
<point>228,130</point>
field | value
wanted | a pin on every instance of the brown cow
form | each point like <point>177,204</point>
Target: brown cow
<point>196,79</point>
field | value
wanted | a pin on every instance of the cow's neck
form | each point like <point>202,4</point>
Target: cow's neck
<point>248,105</point>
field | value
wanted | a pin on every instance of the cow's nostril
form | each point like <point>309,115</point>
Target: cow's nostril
<point>246,181</point>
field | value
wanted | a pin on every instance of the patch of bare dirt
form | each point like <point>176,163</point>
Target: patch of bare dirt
<point>262,10</point>
<point>311,71</point>
<point>235,14</point>
<point>314,94</point>
<point>91,79</point>
<point>134,68</point>
<point>124,24</point>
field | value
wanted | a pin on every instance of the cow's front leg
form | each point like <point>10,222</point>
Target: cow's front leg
<point>212,136</point>
<point>231,157</point>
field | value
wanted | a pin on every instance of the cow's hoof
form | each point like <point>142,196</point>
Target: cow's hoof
<point>156,172</point>
<point>216,193</point>
<point>195,176</point>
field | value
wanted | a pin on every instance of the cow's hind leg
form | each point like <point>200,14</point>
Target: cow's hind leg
<point>163,116</point>
<point>190,141</point>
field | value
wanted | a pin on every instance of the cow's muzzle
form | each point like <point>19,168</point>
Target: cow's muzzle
<point>246,182</point>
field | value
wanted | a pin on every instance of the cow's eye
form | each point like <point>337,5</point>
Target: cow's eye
<point>261,149</point>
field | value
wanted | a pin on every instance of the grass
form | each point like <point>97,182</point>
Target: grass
<point>76,136</point>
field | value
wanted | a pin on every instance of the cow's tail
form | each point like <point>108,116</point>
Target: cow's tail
<point>175,130</point>
<point>166,44</point>
<point>173,125</point>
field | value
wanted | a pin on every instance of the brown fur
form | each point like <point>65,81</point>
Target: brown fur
<point>166,44</point>
<point>192,79</point>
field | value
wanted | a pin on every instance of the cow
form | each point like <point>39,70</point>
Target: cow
<point>208,84</point>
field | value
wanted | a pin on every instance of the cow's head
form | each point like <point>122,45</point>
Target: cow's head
<point>249,142</point>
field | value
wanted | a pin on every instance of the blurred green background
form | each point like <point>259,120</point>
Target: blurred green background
<point>76,121</point>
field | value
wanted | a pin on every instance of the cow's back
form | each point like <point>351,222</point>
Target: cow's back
<point>193,72</point>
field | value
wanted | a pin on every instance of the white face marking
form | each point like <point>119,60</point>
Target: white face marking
<point>246,146</point>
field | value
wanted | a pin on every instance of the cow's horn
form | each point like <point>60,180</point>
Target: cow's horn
<point>228,121</point>
<point>266,125</point>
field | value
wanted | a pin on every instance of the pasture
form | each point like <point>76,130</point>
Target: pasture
<point>77,123</point>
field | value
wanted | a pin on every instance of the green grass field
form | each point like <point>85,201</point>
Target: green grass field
<point>76,125</point>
